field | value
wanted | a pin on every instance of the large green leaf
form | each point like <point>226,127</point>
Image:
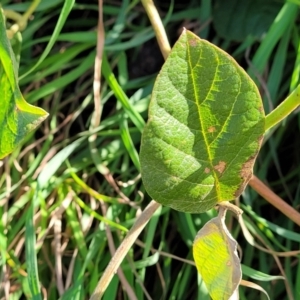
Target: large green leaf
<point>236,20</point>
<point>17,117</point>
<point>205,127</point>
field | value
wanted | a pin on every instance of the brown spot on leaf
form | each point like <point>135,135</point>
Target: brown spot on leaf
<point>260,139</point>
<point>247,171</point>
<point>220,167</point>
<point>261,108</point>
<point>247,168</point>
<point>239,191</point>
<point>206,170</point>
<point>228,263</point>
<point>211,129</point>
<point>193,42</point>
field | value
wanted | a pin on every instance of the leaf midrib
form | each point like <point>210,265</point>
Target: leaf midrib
<point>200,119</point>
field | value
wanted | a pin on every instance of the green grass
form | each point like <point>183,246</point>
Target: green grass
<point>52,229</point>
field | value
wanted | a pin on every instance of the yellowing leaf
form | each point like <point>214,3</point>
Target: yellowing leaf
<point>216,259</point>
<point>17,117</point>
<point>206,123</point>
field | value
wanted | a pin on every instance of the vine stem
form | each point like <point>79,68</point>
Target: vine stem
<point>121,252</point>
<point>284,109</point>
<point>158,27</point>
<point>274,199</point>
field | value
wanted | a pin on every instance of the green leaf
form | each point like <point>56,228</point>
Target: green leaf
<point>216,259</point>
<point>205,127</point>
<point>251,18</point>
<point>17,117</point>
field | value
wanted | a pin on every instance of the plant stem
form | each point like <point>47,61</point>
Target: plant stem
<point>158,27</point>
<point>31,9</point>
<point>227,205</point>
<point>284,109</point>
<point>21,20</point>
<point>10,14</point>
<point>123,249</point>
<point>15,16</point>
<point>275,200</point>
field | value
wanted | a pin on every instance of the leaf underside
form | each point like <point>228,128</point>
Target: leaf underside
<point>17,117</point>
<point>205,128</point>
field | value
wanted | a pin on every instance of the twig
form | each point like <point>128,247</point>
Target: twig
<point>58,256</point>
<point>97,71</point>
<point>112,249</point>
<point>123,249</point>
<point>275,200</point>
<point>158,27</point>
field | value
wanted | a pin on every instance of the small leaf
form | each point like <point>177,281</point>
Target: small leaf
<point>205,127</point>
<point>216,259</point>
<point>17,117</point>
